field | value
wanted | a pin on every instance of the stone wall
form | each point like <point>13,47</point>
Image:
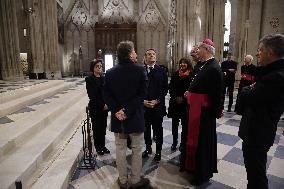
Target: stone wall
<point>251,20</point>
<point>81,16</point>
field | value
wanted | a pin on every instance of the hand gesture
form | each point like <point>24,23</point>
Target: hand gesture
<point>120,115</point>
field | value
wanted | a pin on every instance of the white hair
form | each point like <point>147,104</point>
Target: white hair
<point>209,48</point>
<point>249,57</point>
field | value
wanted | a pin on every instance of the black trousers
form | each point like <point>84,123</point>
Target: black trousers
<point>230,87</point>
<point>255,159</point>
<point>99,124</point>
<point>152,118</point>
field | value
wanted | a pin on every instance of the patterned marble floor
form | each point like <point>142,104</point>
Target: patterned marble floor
<point>166,175</point>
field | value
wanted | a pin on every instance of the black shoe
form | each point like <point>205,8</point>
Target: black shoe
<point>100,152</point>
<point>105,150</point>
<point>180,148</point>
<point>196,182</point>
<point>157,156</point>
<point>229,108</point>
<point>129,143</point>
<point>141,184</point>
<point>174,147</point>
<point>146,152</point>
<point>121,185</point>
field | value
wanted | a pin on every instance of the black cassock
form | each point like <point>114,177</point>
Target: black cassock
<point>248,73</point>
<point>205,104</point>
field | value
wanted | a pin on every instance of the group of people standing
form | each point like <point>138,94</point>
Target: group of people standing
<point>135,95</point>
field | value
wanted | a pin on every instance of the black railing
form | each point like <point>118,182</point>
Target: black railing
<point>89,158</point>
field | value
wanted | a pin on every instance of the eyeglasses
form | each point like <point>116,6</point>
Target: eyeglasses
<point>98,66</point>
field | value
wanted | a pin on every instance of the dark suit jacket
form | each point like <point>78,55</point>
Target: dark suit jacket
<point>263,106</point>
<point>157,88</point>
<point>125,87</point>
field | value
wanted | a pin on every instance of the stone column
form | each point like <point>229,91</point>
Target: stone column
<point>44,38</point>
<point>233,25</point>
<point>9,47</point>
<point>188,27</point>
<point>254,27</point>
<point>240,36</point>
<point>198,19</point>
<point>213,20</point>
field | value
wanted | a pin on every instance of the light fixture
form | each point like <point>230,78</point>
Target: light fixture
<point>30,10</point>
<point>25,32</point>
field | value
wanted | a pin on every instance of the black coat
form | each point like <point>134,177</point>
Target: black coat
<point>209,80</point>
<point>177,87</point>
<point>230,76</point>
<point>125,87</point>
<point>94,86</point>
<point>157,88</point>
<point>263,106</point>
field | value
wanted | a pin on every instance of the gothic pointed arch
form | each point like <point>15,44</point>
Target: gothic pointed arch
<point>117,11</point>
<point>151,17</point>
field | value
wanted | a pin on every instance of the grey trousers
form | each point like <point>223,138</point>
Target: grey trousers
<point>137,143</point>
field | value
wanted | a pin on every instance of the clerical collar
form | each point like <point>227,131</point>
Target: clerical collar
<point>208,59</point>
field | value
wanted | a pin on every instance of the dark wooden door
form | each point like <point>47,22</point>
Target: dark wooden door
<point>107,36</point>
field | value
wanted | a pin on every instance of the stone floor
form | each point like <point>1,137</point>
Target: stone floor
<point>166,175</point>
<point>6,86</point>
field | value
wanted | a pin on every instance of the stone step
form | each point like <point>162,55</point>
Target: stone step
<point>17,132</point>
<point>28,156</point>
<point>41,106</point>
<point>58,174</point>
<point>24,100</point>
<point>27,88</point>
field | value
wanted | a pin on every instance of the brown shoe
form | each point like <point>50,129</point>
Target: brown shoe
<point>121,185</point>
<point>142,183</point>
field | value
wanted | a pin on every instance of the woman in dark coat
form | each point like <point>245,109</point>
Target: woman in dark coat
<point>98,108</point>
<point>179,83</point>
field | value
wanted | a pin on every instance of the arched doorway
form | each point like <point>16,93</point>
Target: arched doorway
<point>107,37</point>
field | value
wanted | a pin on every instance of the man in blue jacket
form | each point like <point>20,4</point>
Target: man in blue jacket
<point>124,92</point>
<point>154,103</point>
<point>263,104</point>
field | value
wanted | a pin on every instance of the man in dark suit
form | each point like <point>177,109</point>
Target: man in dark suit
<point>154,103</point>
<point>124,92</point>
<point>263,104</point>
<point>229,68</point>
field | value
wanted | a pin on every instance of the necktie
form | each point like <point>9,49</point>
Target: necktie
<point>151,69</point>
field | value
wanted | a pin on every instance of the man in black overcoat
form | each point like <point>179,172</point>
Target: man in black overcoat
<point>124,92</point>
<point>263,104</point>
